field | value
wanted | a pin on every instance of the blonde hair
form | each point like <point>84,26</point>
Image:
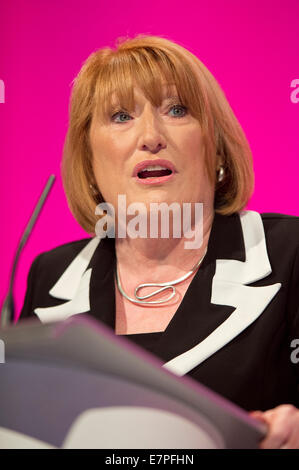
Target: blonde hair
<point>148,61</point>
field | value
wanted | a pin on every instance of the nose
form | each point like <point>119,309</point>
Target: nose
<point>151,135</point>
<point>153,147</point>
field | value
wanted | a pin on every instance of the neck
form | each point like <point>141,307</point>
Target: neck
<point>159,259</point>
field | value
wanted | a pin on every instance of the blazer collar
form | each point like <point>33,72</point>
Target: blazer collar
<point>237,264</point>
<point>226,239</point>
<point>236,256</point>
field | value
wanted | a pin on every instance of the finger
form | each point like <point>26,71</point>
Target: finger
<point>292,442</point>
<point>279,431</point>
<point>258,415</point>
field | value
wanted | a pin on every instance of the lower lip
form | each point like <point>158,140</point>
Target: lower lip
<point>155,180</point>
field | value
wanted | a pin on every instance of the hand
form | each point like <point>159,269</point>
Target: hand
<point>283,427</point>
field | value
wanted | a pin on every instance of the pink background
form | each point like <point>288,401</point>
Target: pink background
<point>251,47</point>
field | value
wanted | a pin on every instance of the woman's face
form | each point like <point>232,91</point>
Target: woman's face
<point>127,143</point>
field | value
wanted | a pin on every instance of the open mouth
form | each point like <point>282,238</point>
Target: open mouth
<point>154,171</point>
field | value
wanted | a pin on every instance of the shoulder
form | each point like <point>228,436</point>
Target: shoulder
<point>63,254</point>
<point>45,269</point>
<point>284,226</point>
<point>272,221</point>
<point>281,233</point>
<point>50,264</point>
<point>278,217</point>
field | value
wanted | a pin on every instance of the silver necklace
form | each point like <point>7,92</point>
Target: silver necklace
<point>163,286</point>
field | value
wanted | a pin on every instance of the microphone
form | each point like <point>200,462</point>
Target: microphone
<point>8,308</point>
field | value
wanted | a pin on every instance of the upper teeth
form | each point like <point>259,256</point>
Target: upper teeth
<point>154,167</point>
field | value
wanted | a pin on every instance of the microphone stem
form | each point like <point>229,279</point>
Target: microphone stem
<point>8,308</point>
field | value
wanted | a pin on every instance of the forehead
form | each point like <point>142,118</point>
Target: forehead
<point>167,89</point>
<point>123,92</point>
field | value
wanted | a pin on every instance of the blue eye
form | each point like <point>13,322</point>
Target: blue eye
<point>179,108</point>
<point>182,111</point>
<point>119,113</point>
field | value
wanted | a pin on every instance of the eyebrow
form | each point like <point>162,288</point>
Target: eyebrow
<point>172,98</point>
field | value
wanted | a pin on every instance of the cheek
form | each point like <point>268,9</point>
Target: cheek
<point>100,148</point>
<point>103,161</point>
<point>193,150</point>
<point>107,165</point>
<point>109,152</point>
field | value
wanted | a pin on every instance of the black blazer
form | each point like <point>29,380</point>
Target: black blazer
<point>234,327</point>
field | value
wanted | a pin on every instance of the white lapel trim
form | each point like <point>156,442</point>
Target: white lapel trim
<point>68,284</point>
<point>73,285</point>
<point>228,289</point>
<point>79,304</point>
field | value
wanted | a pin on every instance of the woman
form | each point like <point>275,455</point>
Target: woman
<point>149,122</point>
